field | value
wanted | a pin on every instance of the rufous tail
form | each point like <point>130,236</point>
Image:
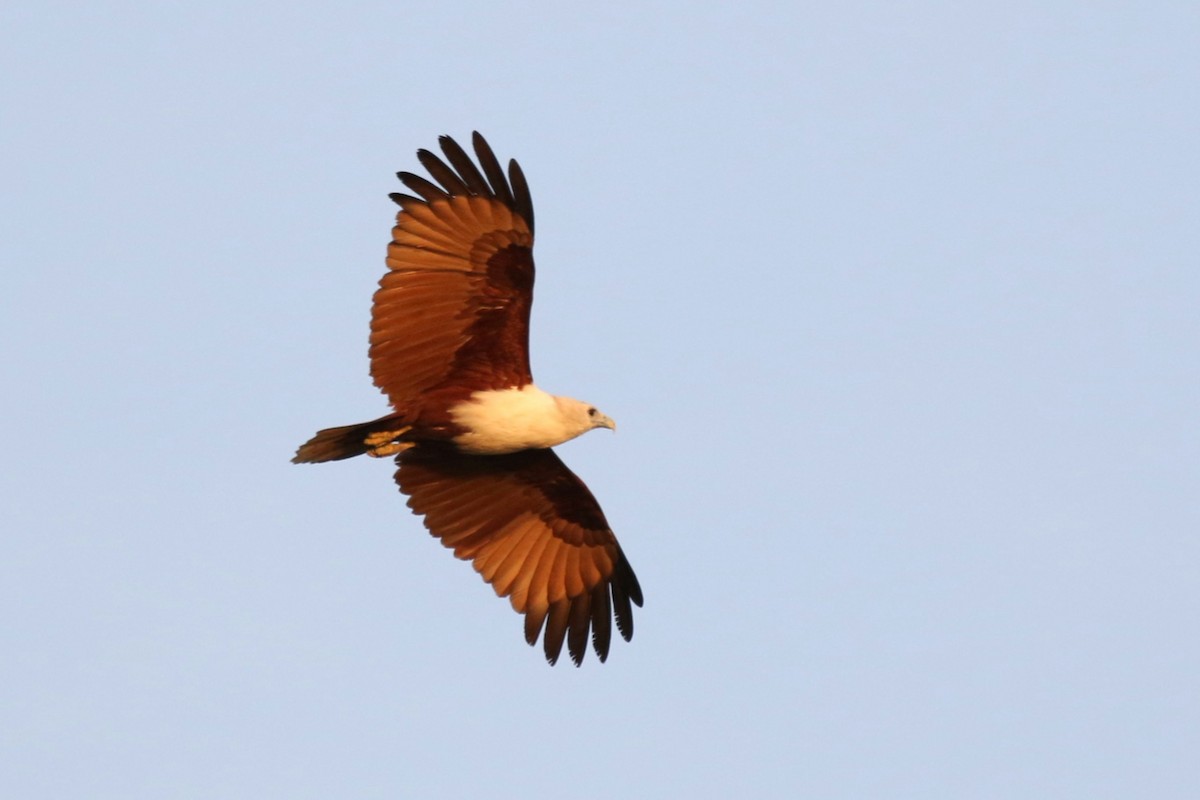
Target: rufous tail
<point>334,444</point>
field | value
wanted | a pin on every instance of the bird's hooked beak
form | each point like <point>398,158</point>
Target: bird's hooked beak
<point>604,421</point>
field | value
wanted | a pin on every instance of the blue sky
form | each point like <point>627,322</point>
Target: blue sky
<point>897,306</point>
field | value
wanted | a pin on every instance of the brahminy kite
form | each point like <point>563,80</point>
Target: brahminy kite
<point>470,431</point>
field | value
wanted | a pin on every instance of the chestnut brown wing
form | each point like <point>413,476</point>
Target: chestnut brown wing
<point>454,305</point>
<point>535,533</point>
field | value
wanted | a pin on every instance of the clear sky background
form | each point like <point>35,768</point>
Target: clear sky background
<point>897,305</point>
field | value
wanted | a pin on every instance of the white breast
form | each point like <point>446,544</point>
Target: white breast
<point>508,420</point>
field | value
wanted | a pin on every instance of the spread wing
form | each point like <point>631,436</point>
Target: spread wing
<point>533,531</point>
<point>454,305</point>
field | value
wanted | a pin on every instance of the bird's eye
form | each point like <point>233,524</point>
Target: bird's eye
<point>591,412</point>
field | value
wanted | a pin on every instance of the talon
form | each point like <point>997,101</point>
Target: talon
<point>384,443</point>
<point>388,449</point>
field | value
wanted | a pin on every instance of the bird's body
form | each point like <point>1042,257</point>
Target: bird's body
<point>470,430</point>
<point>499,421</point>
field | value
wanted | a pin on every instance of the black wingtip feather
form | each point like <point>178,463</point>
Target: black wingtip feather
<point>399,198</point>
<point>556,630</point>
<point>421,186</point>
<point>463,177</point>
<point>601,622</point>
<point>579,623</point>
<point>441,173</point>
<point>492,169</point>
<point>465,167</point>
<point>533,626</point>
<point>522,200</point>
<point>625,576</point>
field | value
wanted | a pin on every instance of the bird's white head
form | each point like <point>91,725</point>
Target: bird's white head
<point>581,417</point>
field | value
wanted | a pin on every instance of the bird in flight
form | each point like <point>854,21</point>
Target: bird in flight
<point>470,431</point>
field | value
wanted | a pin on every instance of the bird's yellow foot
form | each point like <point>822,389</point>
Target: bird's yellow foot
<point>384,443</point>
